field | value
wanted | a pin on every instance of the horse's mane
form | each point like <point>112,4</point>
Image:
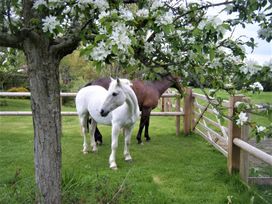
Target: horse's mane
<point>123,82</point>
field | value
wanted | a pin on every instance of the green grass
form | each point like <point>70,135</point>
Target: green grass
<point>169,169</point>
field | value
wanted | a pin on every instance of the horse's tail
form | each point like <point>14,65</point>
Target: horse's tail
<point>89,121</point>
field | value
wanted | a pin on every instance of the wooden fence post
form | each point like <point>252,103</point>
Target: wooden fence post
<point>188,110</point>
<point>237,160</point>
<point>177,117</point>
<point>162,104</point>
<point>244,160</point>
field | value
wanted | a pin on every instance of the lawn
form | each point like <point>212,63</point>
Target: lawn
<point>169,169</point>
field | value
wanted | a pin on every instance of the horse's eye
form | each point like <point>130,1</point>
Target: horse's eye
<point>114,94</point>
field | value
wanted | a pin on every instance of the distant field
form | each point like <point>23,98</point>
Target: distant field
<point>169,169</point>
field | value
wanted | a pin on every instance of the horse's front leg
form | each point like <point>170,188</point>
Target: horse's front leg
<point>114,144</point>
<point>146,128</point>
<point>128,132</point>
<point>92,131</point>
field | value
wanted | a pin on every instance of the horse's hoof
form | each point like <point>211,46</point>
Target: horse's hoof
<point>113,166</point>
<point>85,152</point>
<point>128,158</point>
<point>148,139</point>
<point>99,143</point>
<point>140,142</point>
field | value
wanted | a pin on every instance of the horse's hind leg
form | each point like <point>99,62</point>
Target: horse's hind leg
<point>128,132</point>
<point>144,119</point>
<point>83,122</point>
<point>92,132</point>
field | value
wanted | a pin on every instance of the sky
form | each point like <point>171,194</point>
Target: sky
<point>262,53</point>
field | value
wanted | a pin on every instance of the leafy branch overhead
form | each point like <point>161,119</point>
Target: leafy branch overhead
<point>145,36</point>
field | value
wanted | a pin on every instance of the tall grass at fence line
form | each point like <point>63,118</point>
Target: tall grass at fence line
<point>169,169</point>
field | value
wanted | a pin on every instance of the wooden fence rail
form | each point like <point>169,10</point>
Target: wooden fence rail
<point>177,113</point>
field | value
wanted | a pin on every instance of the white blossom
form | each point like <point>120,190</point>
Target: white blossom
<point>100,52</point>
<point>215,63</point>
<point>159,37</point>
<point>260,128</point>
<point>202,24</point>
<point>83,3</point>
<point>103,30</point>
<point>149,47</point>
<point>126,14</point>
<point>166,49</point>
<point>250,69</point>
<point>5,61</point>
<point>104,14</point>
<point>256,86</point>
<point>185,73</point>
<point>37,3</point>
<point>230,85</point>
<point>101,4</point>
<point>142,13</point>
<point>165,19</point>
<point>120,37</point>
<point>156,4</point>
<point>50,23</point>
<point>242,118</point>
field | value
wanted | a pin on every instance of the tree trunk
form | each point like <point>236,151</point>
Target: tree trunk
<point>45,105</point>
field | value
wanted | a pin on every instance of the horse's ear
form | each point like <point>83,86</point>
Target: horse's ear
<point>118,82</point>
<point>111,78</point>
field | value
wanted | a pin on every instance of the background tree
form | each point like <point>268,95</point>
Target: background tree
<point>11,73</point>
<point>169,36</point>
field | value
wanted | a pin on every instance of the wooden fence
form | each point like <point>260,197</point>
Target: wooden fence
<point>200,117</point>
<point>178,112</point>
<point>227,137</point>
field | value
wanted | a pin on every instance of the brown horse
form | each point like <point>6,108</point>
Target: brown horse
<point>148,94</point>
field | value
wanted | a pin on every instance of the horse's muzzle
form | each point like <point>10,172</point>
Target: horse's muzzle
<point>104,113</point>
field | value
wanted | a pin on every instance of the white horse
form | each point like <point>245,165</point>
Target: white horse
<point>117,106</point>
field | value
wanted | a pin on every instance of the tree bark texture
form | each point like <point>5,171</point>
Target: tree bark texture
<point>45,104</point>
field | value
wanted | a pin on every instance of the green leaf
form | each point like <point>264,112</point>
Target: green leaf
<point>86,51</point>
<point>131,50</point>
<point>98,66</point>
<point>99,38</point>
<point>115,49</point>
<point>168,29</point>
<point>212,54</point>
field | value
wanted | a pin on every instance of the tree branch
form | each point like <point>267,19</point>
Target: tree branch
<point>8,40</point>
<point>65,45</point>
